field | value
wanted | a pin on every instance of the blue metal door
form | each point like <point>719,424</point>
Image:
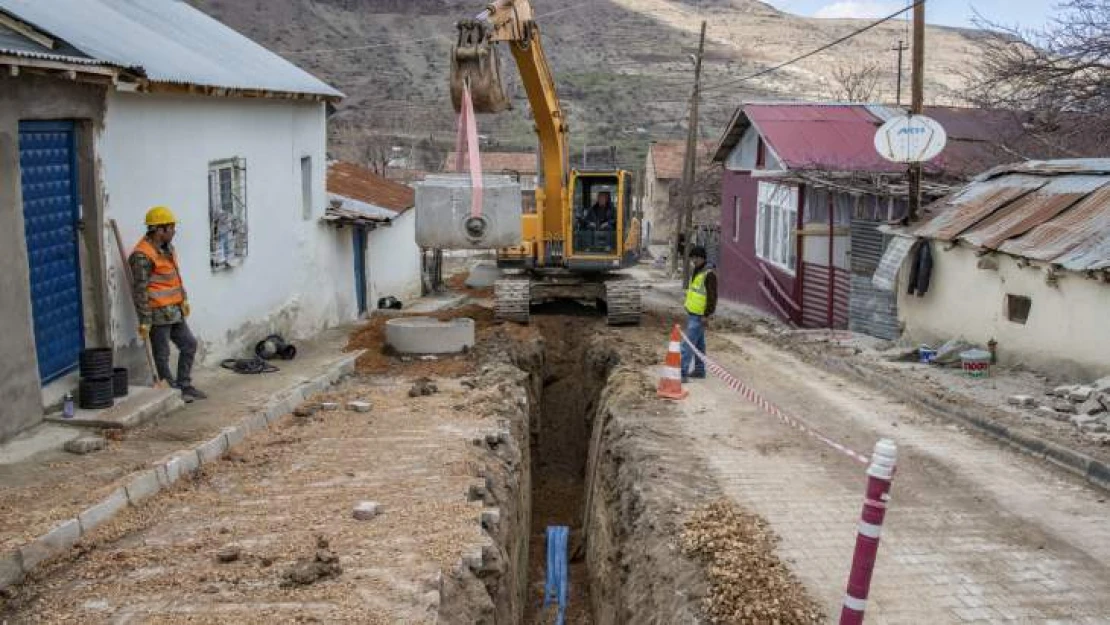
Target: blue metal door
<point>47,160</point>
<point>360,269</point>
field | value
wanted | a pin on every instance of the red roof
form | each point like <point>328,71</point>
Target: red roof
<point>669,155</point>
<point>818,137</point>
<point>359,183</point>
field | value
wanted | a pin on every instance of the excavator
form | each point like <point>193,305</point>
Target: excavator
<point>583,230</point>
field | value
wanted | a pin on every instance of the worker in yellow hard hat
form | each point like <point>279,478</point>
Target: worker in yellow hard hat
<point>161,302</point>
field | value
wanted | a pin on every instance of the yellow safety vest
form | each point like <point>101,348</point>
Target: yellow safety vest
<point>696,297</point>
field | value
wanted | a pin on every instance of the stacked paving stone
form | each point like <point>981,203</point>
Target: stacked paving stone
<point>1086,406</point>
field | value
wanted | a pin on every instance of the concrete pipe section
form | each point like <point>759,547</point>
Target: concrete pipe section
<point>425,335</point>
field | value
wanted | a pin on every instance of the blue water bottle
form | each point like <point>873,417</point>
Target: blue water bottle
<point>67,406</point>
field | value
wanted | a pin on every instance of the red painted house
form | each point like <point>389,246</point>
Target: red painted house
<point>804,193</point>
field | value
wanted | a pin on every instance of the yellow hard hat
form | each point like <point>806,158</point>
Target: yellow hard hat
<point>160,216</point>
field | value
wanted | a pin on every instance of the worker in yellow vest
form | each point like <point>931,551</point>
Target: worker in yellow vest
<point>161,302</point>
<point>701,303</point>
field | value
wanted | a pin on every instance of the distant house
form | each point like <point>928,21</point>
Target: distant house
<point>662,173</point>
<point>520,165</point>
<point>383,226</point>
<point>108,107</point>
<point>1021,256</point>
<point>804,194</point>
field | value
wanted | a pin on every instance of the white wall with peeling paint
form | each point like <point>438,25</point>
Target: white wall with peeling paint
<point>297,276</point>
<point>394,261</point>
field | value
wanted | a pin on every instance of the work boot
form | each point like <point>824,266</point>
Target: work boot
<point>191,392</point>
<point>697,375</point>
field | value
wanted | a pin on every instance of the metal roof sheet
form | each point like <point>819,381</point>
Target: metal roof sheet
<point>16,44</point>
<point>170,41</point>
<point>825,137</point>
<point>1046,213</point>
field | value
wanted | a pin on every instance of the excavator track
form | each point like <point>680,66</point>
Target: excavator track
<point>623,301</point>
<point>512,299</point>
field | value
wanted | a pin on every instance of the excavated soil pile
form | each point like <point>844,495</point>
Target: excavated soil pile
<point>379,359</point>
<point>457,283</point>
<point>748,583</point>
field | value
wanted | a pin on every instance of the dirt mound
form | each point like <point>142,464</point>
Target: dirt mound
<point>748,582</point>
<point>457,283</point>
<point>379,358</point>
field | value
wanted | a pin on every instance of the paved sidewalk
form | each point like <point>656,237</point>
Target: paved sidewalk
<point>976,533</point>
<point>39,492</point>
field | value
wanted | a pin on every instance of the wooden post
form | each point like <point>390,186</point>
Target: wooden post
<point>917,103</point>
<point>690,169</point>
<point>902,47</point>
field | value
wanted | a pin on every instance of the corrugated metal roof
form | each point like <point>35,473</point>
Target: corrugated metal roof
<point>362,185</point>
<point>825,137</point>
<point>1043,211</point>
<point>345,208</point>
<point>169,40</point>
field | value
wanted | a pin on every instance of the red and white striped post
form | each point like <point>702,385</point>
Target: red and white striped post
<point>879,476</point>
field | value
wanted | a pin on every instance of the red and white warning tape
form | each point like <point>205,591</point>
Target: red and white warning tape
<point>748,393</point>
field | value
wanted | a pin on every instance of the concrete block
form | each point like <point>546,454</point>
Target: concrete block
<point>1065,406</point>
<point>367,510</point>
<point>182,464</point>
<point>235,436</point>
<point>86,445</point>
<point>11,568</point>
<point>472,558</point>
<point>213,450</point>
<point>56,541</point>
<point>280,407</point>
<point>1063,391</point>
<point>1082,420</point>
<point>102,512</point>
<point>359,406</point>
<point>443,218</point>
<point>427,335</point>
<point>490,518</point>
<point>1081,394</point>
<point>1092,406</point>
<point>1102,385</point>
<point>1025,401</point>
<point>1096,427</point>
<point>255,423</point>
<point>329,406</point>
<point>142,487</point>
<point>1048,412</point>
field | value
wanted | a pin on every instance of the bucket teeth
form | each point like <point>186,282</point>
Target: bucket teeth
<point>474,60</point>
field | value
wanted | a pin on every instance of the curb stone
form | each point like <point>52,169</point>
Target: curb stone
<point>14,566</point>
<point>1093,471</point>
<point>62,537</point>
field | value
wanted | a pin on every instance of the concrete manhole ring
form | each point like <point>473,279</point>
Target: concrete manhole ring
<point>426,335</point>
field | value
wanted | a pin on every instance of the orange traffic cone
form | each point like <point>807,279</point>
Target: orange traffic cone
<point>670,385</point>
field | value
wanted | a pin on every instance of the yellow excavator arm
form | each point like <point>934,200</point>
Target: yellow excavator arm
<point>475,63</point>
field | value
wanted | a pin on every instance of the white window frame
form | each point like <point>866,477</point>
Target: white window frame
<point>227,213</point>
<point>737,210</point>
<point>777,215</point>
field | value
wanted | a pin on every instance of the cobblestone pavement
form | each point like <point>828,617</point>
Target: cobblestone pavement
<point>271,498</point>
<point>976,533</point>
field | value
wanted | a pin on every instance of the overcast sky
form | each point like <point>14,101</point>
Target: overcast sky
<point>1026,13</point>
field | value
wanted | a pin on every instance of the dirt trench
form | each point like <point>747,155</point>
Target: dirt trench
<point>580,456</point>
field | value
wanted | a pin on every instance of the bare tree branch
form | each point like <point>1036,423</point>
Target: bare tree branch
<point>854,82</point>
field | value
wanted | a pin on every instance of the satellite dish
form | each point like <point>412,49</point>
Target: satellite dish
<point>910,139</point>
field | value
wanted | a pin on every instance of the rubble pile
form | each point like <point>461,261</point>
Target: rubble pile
<point>1086,406</point>
<point>748,582</point>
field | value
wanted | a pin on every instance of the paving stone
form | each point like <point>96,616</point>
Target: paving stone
<point>359,406</point>
<point>1081,394</point>
<point>103,511</point>
<point>142,487</point>
<point>86,445</point>
<point>1092,406</point>
<point>11,568</point>
<point>234,435</point>
<point>60,539</point>
<point>1027,401</point>
<point>213,450</point>
<point>367,510</point>
<point>182,464</point>
<point>1065,406</point>
<point>255,423</point>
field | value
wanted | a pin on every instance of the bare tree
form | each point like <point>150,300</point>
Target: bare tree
<point>377,153</point>
<point>854,82</point>
<point>1059,74</point>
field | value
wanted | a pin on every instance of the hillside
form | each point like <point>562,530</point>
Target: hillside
<point>622,66</point>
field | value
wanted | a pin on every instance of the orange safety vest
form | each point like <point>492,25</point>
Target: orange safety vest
<point>165,287</point>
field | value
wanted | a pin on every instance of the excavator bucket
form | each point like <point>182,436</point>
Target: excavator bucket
<point>474,61</point>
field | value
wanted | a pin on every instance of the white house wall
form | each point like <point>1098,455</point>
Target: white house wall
<point>1066,333</point>
<point>394,260</point>
<point>297,276</point>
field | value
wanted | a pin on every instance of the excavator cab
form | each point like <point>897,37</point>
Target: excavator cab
<point>604,234</point>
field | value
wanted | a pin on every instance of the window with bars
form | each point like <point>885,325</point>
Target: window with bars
<point>227,212</point>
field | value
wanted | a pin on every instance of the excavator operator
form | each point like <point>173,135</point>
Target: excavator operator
<point>601,215</point>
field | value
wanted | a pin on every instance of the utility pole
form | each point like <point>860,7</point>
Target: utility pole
<point>690,166</point>
<point>917,104</point>
<point>902,47</point>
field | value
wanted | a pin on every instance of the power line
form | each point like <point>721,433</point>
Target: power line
<point>797,59</point>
